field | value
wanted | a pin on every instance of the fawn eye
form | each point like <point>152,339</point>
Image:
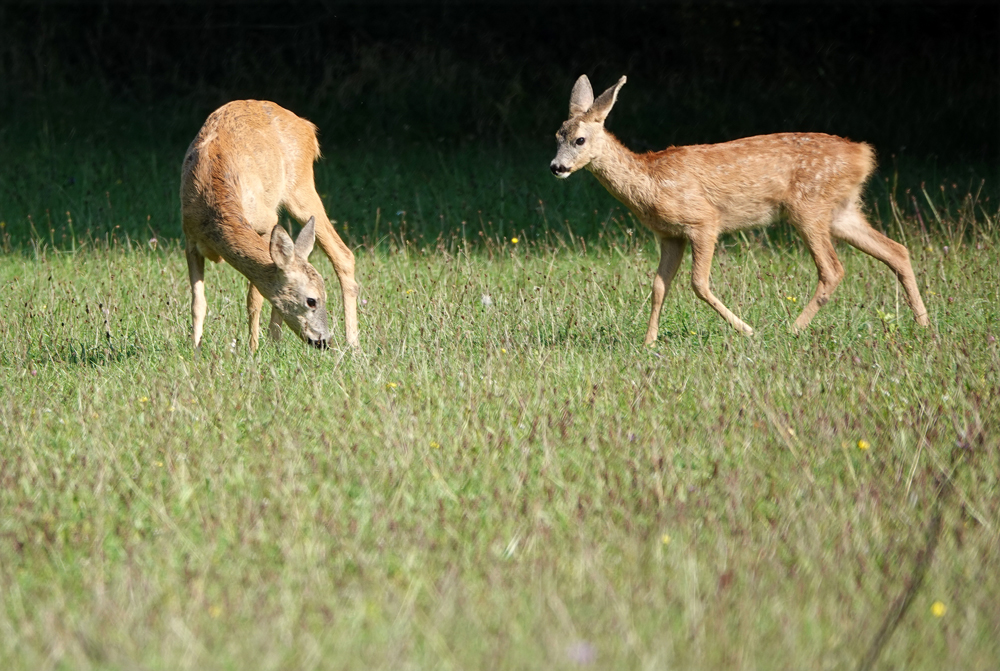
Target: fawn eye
<point>580,141</point>
<point>311,302</point>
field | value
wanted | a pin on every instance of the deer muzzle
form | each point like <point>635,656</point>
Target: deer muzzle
<point>559,170</point>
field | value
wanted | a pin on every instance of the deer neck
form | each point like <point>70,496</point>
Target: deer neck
<point>623,174</point>
<point>250,254</point>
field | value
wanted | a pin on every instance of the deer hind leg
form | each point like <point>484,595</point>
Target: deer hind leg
<point>254,304</point>
<point>702,250</point>
<point>306,203</point>
<point>828,267</point>
<point>850,226</point>
<point>196,274</point>
<point>671,253</point>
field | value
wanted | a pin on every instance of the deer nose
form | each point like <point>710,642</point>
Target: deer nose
<point>318,344</point>
<point>557,169</point>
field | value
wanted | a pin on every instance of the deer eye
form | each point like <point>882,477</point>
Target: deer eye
<point>580,141</point>
<point>311,302</point>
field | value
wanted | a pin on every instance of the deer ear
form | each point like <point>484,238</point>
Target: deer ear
<point>602,106</point>
<point>307,238</point>
<point>581,98</point>
<point>282,248</point>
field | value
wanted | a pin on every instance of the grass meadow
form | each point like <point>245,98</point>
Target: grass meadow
<point>502,476</point>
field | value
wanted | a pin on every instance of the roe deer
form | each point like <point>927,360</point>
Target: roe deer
<point>250,159</point>
<point>695,193</point>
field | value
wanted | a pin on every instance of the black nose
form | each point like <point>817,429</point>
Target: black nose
<point>318,344</point>
<point>557,169</point>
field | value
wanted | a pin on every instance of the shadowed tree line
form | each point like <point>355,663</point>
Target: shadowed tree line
<point>923,80</point>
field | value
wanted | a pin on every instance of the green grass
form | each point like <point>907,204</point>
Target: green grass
<point>492,483</point>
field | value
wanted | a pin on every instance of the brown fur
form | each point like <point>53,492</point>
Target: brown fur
<point>250,159</point>
<point>696,193</point>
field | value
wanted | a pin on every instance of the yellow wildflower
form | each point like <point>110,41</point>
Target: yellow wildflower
<point>665,539</point>
<point>435,445</point>
<point>938,609</point>
<point>514,240</point>
<point>391,385</point>
<point>863,444</point>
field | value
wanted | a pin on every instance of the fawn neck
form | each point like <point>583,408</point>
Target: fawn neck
<point>622,173</point>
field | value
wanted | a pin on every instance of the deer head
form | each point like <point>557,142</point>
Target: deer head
<point>580,138</point>
<point>299,293</point>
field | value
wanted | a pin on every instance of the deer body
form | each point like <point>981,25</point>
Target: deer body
<point>250,159</point>
<point>696,193</point>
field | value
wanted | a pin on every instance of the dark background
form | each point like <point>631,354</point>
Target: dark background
<point>921,82</point>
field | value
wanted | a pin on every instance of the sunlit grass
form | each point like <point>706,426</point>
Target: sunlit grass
<point>501,476</point>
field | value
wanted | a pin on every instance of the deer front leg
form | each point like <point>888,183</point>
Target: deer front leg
<point>254,303</point>
<point>702,249</point>
<point>343,264</point>
<point>671,253</point>
<point>274,326</point>
<point>307,203</point>
<point>196,274</point>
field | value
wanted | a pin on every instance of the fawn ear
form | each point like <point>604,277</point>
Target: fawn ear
<point>602,106</point>
<point>282,248</point>
<point>581,98</point>
<point>307,238</point>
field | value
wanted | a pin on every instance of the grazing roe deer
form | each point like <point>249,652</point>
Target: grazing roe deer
<point>695,193</point>
<point>250,159</point>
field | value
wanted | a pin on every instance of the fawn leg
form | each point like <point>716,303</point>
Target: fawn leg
<point>828,267</point>
<point>671,253</point>
<point>850,226</point>
<point>702,249</point>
